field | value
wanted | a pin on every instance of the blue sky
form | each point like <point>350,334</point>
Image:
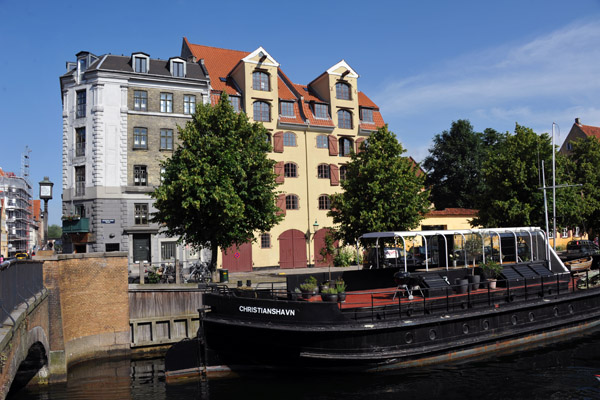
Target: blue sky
<point>425,63</point>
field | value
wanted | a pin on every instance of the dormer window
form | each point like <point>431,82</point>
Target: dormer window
<point>287,109</point>
<point>177,67</point>
<point>140,63</point>
<point>366,115</point>
<point>260,81</point>
<point>342,91</point>
<point>321,111</point>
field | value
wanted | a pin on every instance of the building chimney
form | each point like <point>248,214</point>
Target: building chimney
<point>577,121</point>
<point>192,59</point>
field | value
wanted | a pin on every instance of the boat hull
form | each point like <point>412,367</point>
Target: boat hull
<point>380,345</point>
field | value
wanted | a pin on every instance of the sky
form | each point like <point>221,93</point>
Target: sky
<point>424,63</point>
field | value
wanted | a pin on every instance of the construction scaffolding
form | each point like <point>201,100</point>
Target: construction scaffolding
<point>16,193</point>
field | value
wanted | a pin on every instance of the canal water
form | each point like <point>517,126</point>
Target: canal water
<point>554,372</point>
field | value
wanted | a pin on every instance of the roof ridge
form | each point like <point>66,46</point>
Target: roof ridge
<point>219,48</point>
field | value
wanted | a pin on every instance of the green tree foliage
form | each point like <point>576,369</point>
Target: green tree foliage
<point>454,165</point>
<point>54,231</point>
<point>219,186</point>
<point>583,167</point>
<point>512,174</point>
<point>382,190</point>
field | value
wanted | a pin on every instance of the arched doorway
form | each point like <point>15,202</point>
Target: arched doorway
<point>292,249</point>
<point>319,244</point>
<point>238,258</point>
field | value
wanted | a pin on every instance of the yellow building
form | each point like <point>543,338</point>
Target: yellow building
<point>313,127</point>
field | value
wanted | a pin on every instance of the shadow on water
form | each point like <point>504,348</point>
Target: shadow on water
<point>557,371</point>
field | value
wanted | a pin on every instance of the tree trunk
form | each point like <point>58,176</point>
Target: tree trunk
<point>214,250</point>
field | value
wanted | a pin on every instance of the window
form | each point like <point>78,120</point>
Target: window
<point>343,172</point>
<point>189,104</point>
<point>345,147</point>
<point>323,171</point>
<point>166,139</point>
<point>112,247</point>
<point>79,181</point>
<point>166,102</point>
<point>287,109</point>
<point>289,139</point>
<point>167,250</point>
<point>79,142</point>
<point>262,111</point>
<point>236,102</point>
<point>322,142</point>
<point>366,114</point>
<point>569,146</point>
<point>140,100</point>
<point>140,64</point>
<point>265,241</point>
<point>140,215</point>
<point>291,202</point>
<point>344,119</point>
<point>321,111</point>
<point>163,171</point>
<point>260,81</point>
<point>268,138</point>
<point>140,138</point>
<point>324,202</point>
<point>290,170</point>
<point>81,99</point>
<point>342,91</point>
<point>140,175</point>
<point>80,210</point>
<point>178,69</point>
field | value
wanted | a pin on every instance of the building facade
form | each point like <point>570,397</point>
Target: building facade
<point>314,128</point>
<point>16,222</point>
<point>578,131</point>
<point>120,117</point>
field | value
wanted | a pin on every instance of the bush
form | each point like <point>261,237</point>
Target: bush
<point>343,258</point>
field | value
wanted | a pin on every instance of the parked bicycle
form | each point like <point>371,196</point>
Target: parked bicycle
<point>166,273</point>
<point>200,272</point>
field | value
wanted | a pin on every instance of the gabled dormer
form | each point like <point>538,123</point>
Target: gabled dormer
<point>84,60</point>
<point>177,67</point>
<point>140,62</point>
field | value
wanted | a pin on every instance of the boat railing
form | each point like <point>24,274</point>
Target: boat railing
<point>399,303</point>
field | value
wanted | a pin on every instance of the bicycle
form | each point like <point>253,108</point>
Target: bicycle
<point>200,273</point>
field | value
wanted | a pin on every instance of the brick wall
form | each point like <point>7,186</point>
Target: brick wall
<point>89,308</point>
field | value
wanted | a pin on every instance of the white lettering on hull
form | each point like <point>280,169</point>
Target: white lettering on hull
<point>269,311</point>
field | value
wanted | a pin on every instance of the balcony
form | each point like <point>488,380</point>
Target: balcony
<point>81,225</point>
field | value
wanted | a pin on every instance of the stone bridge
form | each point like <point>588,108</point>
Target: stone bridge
<point>24,324</point>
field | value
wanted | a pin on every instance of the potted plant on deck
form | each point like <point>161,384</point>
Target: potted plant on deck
<point>340,287</point>
<point>491,270</point>
<point>329,294</point>
<point>309,288</point>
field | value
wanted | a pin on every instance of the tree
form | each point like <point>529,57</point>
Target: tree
<point>383,190</point>
<point>54,231</point>
<point>219,186</point>
<point>454,167</point>
<point>512,174</point>
<point>583,167</point>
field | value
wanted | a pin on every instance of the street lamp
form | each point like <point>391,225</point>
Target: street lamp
<point>316,226</point>
<point>46,194</point>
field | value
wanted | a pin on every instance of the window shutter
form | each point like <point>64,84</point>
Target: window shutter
<point>333,145</point>
<point>279,171</point>
<point>334,175</point>
<point>359,143</point>
<point>278,142</point>
<point>281,204</point>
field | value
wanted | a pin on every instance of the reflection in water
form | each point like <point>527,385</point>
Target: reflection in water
<point>564,371</point>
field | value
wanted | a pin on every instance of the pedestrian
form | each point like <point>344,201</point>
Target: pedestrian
<point>596,240</point>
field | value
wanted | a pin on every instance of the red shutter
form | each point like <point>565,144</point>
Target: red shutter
<point>359,143</point>
<point>334,175</point>
<point>279,169</point>
<point>333,145</point>
<point>278,142</point>
<point>281,204</point>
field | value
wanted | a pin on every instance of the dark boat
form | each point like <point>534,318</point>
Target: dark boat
<point>394,317</point>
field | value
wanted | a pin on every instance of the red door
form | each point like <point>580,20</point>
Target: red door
<point>292,249</point>
<point>238,259</point>
<point>319,244</point>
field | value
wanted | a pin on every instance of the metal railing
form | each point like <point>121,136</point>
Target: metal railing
<point>19,282</point>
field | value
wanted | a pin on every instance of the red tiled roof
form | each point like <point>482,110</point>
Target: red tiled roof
<point>284,91</point>
<point>364,101</point>
<point>590,130</point>
<point>453,212</point>
<point>219,63</point>
<point>308,94</point>
<point>296,119</point>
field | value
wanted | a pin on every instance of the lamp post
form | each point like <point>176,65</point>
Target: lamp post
<point>46,194</point>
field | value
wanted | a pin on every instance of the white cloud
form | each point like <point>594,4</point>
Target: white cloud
<point>556,73</point>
